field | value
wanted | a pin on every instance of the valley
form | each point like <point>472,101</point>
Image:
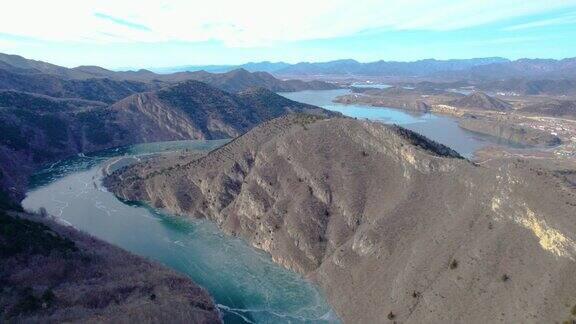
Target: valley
<point>511,118</point>
<point>427,191</point>
<point>246,285</point>
<point>353,226</point>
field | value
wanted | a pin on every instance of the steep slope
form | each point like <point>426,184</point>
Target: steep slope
<point>52,273</point>
<point>390,224</point>
<point>193,109</point>
<point>99,89</point>
<point>481,101</point>
<point>38,129</point>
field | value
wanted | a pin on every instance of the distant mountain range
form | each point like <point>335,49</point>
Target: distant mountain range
<point>49,112</point>
<point>264,66</point>
<point>523,68</point>
<point>490,68</point>
<point>18,73</point>
<point>476,70</point>
<point>386,68</point>
<point>344,67</point>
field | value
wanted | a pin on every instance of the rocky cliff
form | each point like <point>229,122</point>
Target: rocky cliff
<point>391,225</point>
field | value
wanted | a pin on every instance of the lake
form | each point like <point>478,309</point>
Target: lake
<point>441,128</point>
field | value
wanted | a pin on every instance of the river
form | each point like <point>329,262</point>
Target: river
<point>245,283</point>
<point>441,128</point>
<point>247,286</point>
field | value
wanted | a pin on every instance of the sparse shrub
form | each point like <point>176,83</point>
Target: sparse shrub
<point>6,202</point>
<point>505,277</point>
<point>48,298</point>
<point>20,235</point>
<point>454,264</point>
<point>391,316</point>
<point>27,303</point>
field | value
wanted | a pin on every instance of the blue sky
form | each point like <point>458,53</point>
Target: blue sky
<point>127,33</point>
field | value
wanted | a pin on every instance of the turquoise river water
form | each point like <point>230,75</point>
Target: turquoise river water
<point>247,286</point>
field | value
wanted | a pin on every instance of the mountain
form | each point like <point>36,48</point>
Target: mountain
<point>193,109</point>
<point>97,89</point>
<point>384,68</point>
<point>240,79</point>
<point>554,107</point>
<point>37,129</point>
<point>522,68</point>
<point>387,222</point>
<point>96,83</point>
<point>24,65</point>
<point>524,86</point>
<point>56,274</point>
<point>481,101</point>
<point>264,66</point>
<point>343,67</point>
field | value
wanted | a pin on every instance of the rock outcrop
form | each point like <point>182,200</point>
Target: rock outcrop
<point>391,225</point>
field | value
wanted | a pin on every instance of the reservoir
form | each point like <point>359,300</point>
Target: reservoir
<point>440,128</point>
<point>246,284</point>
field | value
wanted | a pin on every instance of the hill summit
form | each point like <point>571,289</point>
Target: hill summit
<point>386,221</point>
<point>481,101</point>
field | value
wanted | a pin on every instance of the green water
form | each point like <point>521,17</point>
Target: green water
<point>247,286</point>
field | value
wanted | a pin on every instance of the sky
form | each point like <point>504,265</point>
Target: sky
<point>144,34</point>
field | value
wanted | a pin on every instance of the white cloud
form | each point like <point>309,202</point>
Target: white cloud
<point>248,22</point>
<point>562,20</point>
